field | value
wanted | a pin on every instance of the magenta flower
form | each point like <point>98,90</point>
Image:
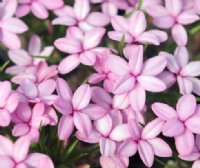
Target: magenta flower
<point>137,77</point>
<point>180,123</point>
<point>9,25</point>
<point>184,72</point>
<point>79,16</point>
<point>133,30</point>
<point>145,141</point>
<point>15,155</point>
<point>76,110</point>
<point>81,49</point>
<point>39,8</point>
<point>174,16</point>
<point>8,103</point>
<point>25,60</point>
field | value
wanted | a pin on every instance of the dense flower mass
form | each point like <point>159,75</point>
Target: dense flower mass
<point>99,72</point>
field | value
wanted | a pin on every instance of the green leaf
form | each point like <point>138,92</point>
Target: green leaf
<point>71,148</point>
<point>43,57</point>
<point>121,46</point>
<point>139,4</point>
<point>195,29</point>
<point>4,66</point>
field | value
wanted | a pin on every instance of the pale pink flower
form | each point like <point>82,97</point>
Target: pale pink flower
<point>15,155</point>
<point>39,8</point>
<point>76,110</point>
<point>81,46</point>
<point>184,72</point>
<point>8,103</point>
<point>145,141</point>
<point>25,60</point>
<point>133,30</point>
<point>79,16</point>
<point>173,16</point>
<point>136,76</point>
<point>180,123</point>
<point>9,25</point>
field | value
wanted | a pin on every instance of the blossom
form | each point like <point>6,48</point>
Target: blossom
<point>136,77</point>
<point>14,155</point>
<point>184,72</point>
<point>180,123</point>
<point>76,110</point>
<point>25,60</point>
<point>133,30</point>
<point>145,141</point>
<point>38,7</point>
<point>81,49</point>
<point>173,16</point>
<point>8,103</point>
<point>79,16</point>
<point>10,26</point>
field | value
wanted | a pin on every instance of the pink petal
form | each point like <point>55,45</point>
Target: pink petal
<point>182,56</point>
<point>92,138</point>
<point>22,10</point>
<point>196,164</point>
<point>124,84</point>
<point>137,98</point>
<point>39,10</point>
<point>164,111</point>
<point>5,118</point>
<point>148,38</point>
<point>63,89</point>
<point>104,125</point>
<point>164,21</point>
<point>4,92</point>
<point>109,9</point>
<point>120,133</point>
<point>119,23</point>
<point>185,85</point>
<point>65,127</point>
<point>23,112</point>
<point>98,19</point>
<point>81,97</point>
<point>191,69</point>
<point>96,78</point>
<point>152,84</point>
<point>161,35</point>
<point>173,127</point>
<point>94,111</point>
<point>34,46</point>
<point>20,57</point>
<point>9,8</point>
<point>196,85</point>
<point>127,148</point>
<point>121,101</point>
<point>174,6</point>
<point>64,20</point>
<point>47,87</point>
<point>81,8</point>
<point>134,129</point>
<point>179,35</point>
<point>69,64</point>
<point>117,36</point>
<point>12,102</point>
<point>54,4</point>
<point>83,123</point>
<point>152,129</point>
<point>75,33</point>
<point>186,106</point>
<point>20,129</point>
<point>137,23</point>
<point>88,58</point>
<point>146,153</point>
<point>14,25</point>
<point>168,78</point>
<point>6,146</point>
<point>187,17</point>
<point>193,124</point>
<point>7,162</point>
<point>107,147</point>
<point>29,89</point>
<point>160,147</point>
<point>185,143</point>
<point>21,148</point>
<point>63,106</point>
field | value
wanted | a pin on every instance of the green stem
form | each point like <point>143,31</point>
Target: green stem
<point>139,4</point>
<point>195,29</point>
<point>160,162</point>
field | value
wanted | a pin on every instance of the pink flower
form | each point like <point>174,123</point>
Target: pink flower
<point>79,16</point>
<point>136,77</point>
<point>15,155</point>
<point>174,16</point>
<point>145,141</point>
<point>133,30</point>
<point>81,49</point>
<point>25,60</point>
<point>9,25</point>
<point>184,72</point>
<point>180,123</point>
<point>38,7</point>
<point>76,110</point>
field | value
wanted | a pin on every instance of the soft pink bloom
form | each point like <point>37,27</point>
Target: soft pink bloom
<point>76,109</point>
<point>9,25</point>
<point>136,76</point>
<point>81,47</point>
<point>39,8</point>
<point>133,30</point>
<point>184,72</point>
<point>79,16</point>
<point>173,16</point>
<point>145,141</point>
<point>15,155</point>
<point>180,123</point>
<point>25,60</point>
<point>8,103</point>
<point>195,155</point>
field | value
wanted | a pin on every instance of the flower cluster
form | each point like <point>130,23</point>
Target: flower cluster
<point>109,108</point>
